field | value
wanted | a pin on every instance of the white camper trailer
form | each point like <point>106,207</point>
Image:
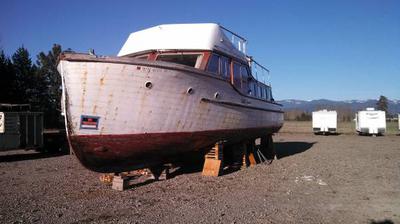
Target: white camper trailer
<point>324,121</point>
<point>371,121</point>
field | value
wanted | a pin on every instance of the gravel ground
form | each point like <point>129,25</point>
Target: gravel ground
<point>316,179</point>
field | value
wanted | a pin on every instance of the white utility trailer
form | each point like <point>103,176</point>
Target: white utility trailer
<point>324,121</point>
<point>370,121</point>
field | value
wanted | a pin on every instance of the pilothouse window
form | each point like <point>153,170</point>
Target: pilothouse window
<point>225,66</point>
<point>213,64</point>
<point>192,60</point>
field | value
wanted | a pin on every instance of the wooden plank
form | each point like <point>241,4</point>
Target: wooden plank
<point>212,167</point>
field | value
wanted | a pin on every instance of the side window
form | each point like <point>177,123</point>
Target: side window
<point>236,75</point>
<point>251,89</point>
<point>268,91</point>
<point>213,64</point>
<point>270,94</point>
<point>244,79</point>
<point>260,90</point>
<point>225,66</point>
<point>183,59</point>
<point>265,93</point>
<point>254,89</point>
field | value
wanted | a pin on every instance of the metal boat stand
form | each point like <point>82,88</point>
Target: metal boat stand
<point>266,152</point>
<point>249,149</point>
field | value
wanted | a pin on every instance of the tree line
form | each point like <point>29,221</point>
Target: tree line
<point>23,81</point>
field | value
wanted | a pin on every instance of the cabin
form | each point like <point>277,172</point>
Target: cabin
<point>207,47</point>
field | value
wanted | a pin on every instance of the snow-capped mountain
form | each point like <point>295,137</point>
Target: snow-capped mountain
<point>354,105</point>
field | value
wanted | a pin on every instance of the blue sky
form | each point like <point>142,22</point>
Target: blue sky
<point>317,49</point>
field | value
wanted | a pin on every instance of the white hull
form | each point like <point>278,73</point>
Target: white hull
<point>117,94</point>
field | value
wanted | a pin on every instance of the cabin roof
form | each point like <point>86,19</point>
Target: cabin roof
<point>200,36</point>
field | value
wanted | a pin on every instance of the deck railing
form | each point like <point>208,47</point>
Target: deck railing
<point>238,42</point>
<point>260,72</point>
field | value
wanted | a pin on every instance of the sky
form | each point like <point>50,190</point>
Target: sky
<point>337,50</point>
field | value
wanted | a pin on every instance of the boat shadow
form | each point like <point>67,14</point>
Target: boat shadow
<point>285,149</point>
<point>386,221</point>
<point>30,156</point>
<point>177,170</point>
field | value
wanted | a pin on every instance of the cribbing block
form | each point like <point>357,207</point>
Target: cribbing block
<point>119,183</point>
<point>212,167</point>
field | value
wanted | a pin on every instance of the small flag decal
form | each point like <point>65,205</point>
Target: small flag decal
<point>89,122</point>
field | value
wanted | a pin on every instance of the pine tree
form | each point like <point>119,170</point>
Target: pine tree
<point>382,104</point>
<point>47,71</point>
<point>7,77</point>
<point>24,76</point>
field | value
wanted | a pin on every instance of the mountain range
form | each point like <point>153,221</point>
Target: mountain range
<point>354,105</point>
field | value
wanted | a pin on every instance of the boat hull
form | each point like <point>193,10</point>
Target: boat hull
<point>116,153</point>
<point>124,114</point>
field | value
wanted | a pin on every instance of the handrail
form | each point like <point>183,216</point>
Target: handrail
<point>241,42</point>
<point>259,72</point>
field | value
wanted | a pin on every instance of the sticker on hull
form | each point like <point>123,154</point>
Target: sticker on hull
<point>89,122</point>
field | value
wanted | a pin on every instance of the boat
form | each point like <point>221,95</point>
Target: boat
<point>172,89</point>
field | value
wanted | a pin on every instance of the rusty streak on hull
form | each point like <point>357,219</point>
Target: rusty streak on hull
<point>118,153</point>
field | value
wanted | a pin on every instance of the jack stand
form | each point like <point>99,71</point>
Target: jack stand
<point>120,182</point>
<point>267,151</point>
<point>248,154</point>
<point>250,148</point>
<point>213,161</point>
<point>160,173</point>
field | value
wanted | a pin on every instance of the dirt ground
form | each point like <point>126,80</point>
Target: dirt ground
<point>316,179</point>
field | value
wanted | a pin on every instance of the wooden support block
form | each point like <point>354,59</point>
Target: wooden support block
<point>251,147</point>
<point>119,183</point>
<point>212,167</point>
<point>107,178</point>
<point>243,151</point>
<point>213,161</point>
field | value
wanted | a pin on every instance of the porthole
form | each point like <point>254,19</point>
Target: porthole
<point>148,85</point>
<point>190,91</point>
